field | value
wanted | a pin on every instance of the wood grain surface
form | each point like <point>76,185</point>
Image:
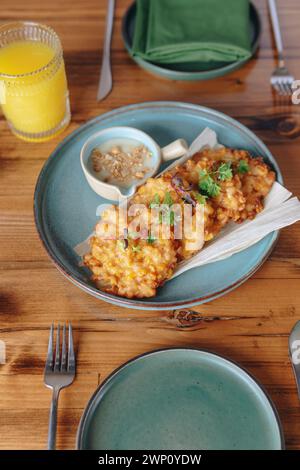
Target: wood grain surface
<point>250,325</point>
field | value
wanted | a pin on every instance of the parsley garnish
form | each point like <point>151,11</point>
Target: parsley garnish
<point>165,216</point>
<point>168,200</point>
<point>168,218</point>
<point>207,185</point>
<point>151,239</point>
<point>155,202</point>
<point>224,172</point>
<point>199,197</point>
<point>243,167</point>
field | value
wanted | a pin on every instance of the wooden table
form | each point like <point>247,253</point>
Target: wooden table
<point>250,325</point>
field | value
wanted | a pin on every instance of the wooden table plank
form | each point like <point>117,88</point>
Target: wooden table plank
<point>250,325</point>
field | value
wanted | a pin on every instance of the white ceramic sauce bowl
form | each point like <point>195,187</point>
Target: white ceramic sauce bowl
<point>114,192</point>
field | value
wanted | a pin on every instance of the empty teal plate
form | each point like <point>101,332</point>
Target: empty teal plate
<point>66,207</point>
<point>180,399</point>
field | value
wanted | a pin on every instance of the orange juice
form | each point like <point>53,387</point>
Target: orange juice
<point>34,92</point>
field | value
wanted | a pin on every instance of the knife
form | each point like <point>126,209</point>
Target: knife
<point>105,82</point>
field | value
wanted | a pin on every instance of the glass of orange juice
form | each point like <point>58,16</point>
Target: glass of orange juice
<point>33,86</point>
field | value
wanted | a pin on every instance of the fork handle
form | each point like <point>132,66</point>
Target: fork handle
<point>53,420</point>
<point>276,30</point>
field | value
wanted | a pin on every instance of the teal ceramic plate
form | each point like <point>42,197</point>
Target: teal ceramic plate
<point>65,206</point>
<point>189,74</point>
<point>180,399</point>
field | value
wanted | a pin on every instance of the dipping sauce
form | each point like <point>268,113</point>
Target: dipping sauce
<point>121,162</point>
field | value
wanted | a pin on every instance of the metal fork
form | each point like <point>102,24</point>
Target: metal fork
<point>281,79</point>
<point>294,349</point>
<point>59,373</point>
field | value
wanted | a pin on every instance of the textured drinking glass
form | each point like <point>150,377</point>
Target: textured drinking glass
<point>33,86</point>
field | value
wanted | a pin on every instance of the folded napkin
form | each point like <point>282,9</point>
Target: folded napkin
<point>192,31</point>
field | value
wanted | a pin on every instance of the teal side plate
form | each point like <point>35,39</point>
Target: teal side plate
<point>66,207</point>
<point>188,72</point>
<point>180,399</point>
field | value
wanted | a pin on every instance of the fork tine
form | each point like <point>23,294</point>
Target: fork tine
<point>57,352</point>
<point>63,365</point>
<point>49,360</point>
<point>71,355</point>
<point>277,88</point>
<point>282,90</point>
<point>288,87</point>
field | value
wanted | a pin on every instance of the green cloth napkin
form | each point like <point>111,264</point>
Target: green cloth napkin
<point>192,31</point>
